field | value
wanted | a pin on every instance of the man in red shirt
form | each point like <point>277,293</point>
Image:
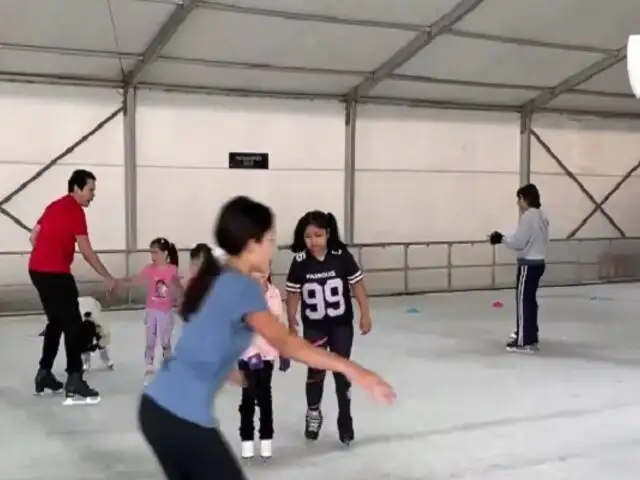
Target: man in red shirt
<point>63,225</point>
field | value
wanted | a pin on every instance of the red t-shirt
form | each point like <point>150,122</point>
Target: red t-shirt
<point>62,221</point>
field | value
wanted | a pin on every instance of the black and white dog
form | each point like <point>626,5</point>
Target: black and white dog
<point>94,332</point>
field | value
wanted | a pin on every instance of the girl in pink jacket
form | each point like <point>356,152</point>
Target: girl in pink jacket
<point>257,365</point>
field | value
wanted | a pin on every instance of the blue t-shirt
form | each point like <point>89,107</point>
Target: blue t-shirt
<point>210,344</point>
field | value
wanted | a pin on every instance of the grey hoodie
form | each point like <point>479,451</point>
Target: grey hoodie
<point>531,239</point>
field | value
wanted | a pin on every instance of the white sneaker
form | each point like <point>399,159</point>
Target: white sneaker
<point>513,336</point>
<point>248,449</point>
<point>266,449</point>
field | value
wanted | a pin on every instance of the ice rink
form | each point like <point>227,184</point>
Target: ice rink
<point>466,409</point>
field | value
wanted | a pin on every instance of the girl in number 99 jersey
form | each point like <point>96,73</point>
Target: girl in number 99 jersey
<point>320,280</point>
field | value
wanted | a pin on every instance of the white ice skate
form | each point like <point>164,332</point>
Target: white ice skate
<point>266,451</point>
<point>248,450</point>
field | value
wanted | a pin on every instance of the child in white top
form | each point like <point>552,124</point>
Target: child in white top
<point>257,365</point>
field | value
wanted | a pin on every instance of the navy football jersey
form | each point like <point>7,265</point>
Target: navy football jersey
<point>324,285</point>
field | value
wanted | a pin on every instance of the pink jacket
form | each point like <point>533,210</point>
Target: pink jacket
<point>259,344</point>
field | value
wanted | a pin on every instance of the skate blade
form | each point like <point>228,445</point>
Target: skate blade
<point>48,393</point>
<point>523,351</point>
<point>72,401</point>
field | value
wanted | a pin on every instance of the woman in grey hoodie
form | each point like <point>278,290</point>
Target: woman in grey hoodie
<point>530,241</point>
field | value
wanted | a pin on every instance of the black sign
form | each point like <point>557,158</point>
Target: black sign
<point>258,161</point>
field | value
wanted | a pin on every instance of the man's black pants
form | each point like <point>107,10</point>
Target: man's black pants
<point>339,340</point>
<point>59,297</point>
<point>528,281</point>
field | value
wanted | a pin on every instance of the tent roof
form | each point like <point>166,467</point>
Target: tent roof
<point>506,55</point>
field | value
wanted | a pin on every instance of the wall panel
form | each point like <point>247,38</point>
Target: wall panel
<point>182,149</point>
<point>434,175</point>
<point>41,122</point>
<point>599,153</point>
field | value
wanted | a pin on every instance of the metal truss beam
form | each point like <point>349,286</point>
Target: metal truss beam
<point>576,80</point>
<point>526,42</point>
<point>46,79</point>
<point>84,53</point>
<point>40,79</point>
<point>605,199</point>
<point>408,27</point>
<point>416,45</point>
<point>351,111</point>
<point>545,146</point>
<point>164,35</point>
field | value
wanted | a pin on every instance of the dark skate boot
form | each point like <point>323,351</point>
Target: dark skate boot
<point>313,424</point>
<point>78,392</point>
<point>45,380</point>
<point>345,428</point>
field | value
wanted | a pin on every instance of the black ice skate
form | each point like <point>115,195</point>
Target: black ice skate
<point>78,392</point>
<point>345,429</point>
<point>313,424</point>
<point>45,380</point>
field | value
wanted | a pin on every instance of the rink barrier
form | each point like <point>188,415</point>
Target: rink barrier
<point>390,269</point>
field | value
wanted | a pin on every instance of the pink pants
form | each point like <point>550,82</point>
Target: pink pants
<point>159,325</point>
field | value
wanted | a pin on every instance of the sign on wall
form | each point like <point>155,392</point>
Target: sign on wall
<point>249,160</point>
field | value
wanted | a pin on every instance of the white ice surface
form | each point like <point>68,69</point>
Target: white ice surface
<point>466,409</point>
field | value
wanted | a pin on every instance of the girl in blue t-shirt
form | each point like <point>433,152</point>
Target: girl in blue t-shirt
<point>222,309</point>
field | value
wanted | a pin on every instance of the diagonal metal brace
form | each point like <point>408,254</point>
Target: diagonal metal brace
<point>45,168</point>
<point>14,219</point>
<point>164,35</point>
<point>605,199</point>
<point>575,80</point>
<point>575,179</point>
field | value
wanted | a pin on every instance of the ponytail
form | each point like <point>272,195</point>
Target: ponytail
<point>334,242</point>
<point>203,252</point>
<point>172,253</point>
<point>199,285</point>
<point>299,244</point>
<point>168,248</point>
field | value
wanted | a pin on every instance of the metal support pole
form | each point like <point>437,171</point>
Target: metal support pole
<point>350,171</point>
<point>130,176</point>
<point>525,147</point>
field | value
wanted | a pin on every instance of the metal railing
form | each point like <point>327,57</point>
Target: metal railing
<point>390,269</point>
